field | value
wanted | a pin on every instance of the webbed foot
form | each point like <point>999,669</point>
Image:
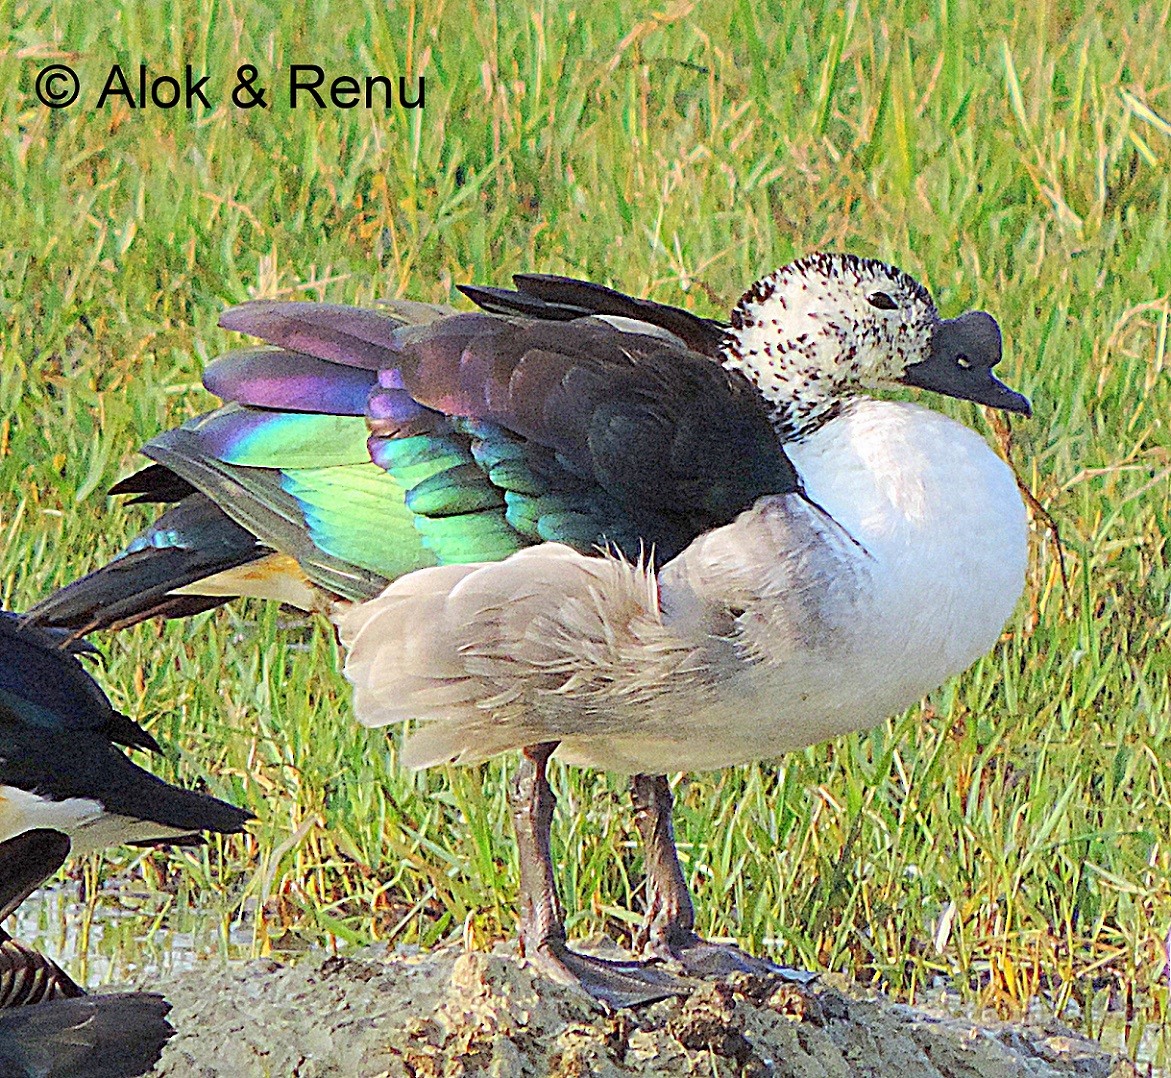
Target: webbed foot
<point>701,958</point>
<point>617,983</point>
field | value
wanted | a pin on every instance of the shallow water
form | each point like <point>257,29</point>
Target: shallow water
<point>1148,1046</point>
<point>135,940</point>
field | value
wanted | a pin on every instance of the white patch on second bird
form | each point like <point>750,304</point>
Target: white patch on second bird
<point>85,820</point>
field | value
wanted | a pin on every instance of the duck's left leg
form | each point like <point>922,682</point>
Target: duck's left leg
<point>670,925</point>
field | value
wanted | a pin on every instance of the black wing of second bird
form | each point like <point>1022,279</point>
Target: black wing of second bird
<point>111,1036</point>
<point>58,740</point>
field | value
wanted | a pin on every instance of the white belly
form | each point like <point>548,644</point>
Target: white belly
<point>801,620</point>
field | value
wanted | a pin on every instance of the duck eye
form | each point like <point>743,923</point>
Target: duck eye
<point>881,300</point>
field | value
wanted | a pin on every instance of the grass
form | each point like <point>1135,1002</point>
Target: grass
<point>1009,834</point>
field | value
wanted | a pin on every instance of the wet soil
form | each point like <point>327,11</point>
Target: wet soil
<point>455,1014</point>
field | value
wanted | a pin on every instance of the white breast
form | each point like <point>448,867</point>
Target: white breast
<point>940,514</point>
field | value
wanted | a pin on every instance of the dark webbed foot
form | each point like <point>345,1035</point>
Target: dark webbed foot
<point>542,921</point>
<point>702,958</point>
<point>670,930</point>
<point>678,955</point>
<point>620,984</point>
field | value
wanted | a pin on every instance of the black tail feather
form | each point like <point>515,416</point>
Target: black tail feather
<point>196,540</point>
<point>146,797</point>
<point>154,483</point>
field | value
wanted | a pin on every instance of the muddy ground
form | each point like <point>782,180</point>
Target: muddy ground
<point>449,1013</point>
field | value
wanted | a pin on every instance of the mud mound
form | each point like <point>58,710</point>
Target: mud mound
<point>448,1013</point>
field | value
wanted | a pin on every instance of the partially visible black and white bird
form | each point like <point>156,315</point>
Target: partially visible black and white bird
<point>61,768</point>
<point>66,786</point>
<point>580,523</point>
<point>67,1034</point>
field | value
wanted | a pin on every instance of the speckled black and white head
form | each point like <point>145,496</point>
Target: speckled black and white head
<point>829,326</point>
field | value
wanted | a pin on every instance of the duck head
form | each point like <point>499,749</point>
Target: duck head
<point>828,327</point>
